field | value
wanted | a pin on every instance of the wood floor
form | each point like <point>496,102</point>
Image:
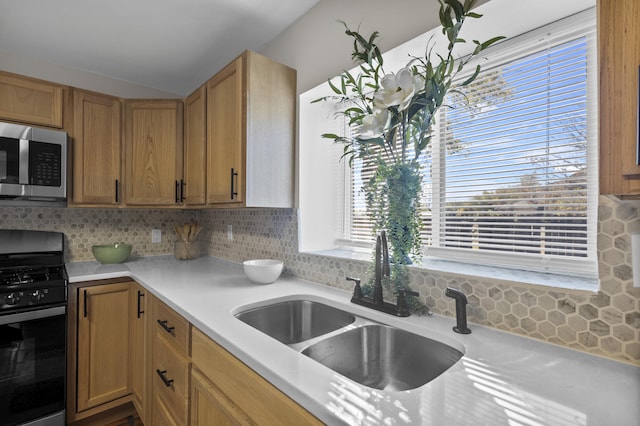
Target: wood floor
<point>127,421</point>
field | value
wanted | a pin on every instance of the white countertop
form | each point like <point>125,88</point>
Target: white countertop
<point>502,379</point>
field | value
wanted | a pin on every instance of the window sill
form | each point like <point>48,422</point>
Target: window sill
<point>516,276</point>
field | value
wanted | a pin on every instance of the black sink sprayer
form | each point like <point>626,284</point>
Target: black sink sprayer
<point>461,310</point>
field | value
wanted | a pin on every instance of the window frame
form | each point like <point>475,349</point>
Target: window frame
<point>582,275</point>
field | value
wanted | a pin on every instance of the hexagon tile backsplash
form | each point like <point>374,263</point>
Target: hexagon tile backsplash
<point>84,228</point>
<point>605,323</point>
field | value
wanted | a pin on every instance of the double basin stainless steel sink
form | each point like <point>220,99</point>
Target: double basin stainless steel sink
<point>370,353</point>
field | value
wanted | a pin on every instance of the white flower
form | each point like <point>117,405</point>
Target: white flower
<point>418,83</point>
<point>373,125</point>
<point>396,89</point>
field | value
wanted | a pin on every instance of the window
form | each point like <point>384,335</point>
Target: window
<point>510,178</point>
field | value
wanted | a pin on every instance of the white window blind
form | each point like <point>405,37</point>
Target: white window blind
<point>512,179</point>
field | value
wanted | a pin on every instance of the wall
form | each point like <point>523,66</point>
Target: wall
<point>606,323</point>
<point>317,47</point>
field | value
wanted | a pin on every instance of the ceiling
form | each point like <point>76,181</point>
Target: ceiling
<point>168,45</point>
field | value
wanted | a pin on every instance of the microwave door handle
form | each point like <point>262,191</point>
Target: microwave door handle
<point>23,166</point>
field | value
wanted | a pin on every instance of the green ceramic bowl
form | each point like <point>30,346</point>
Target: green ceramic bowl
<point>111,253</point>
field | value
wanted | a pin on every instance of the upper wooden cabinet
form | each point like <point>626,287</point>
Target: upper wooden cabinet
<point>97,159</point>
<point>233,147</point>
<point>619,55</point>
<point>251,109</point>
<point>195,149</point>
<point>32,101</point>
<point>225,136</point>
<point>153,152</point>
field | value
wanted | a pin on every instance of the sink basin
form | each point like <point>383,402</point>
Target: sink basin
<point>384,357</point>
<point>296,320</point>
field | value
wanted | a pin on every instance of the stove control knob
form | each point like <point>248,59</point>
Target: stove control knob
<point>37,296</point>
<point>12,299</point>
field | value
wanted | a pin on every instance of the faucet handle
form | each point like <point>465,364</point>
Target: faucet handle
<point>357,290</point>
<point>401,303</point>
<point>461,310</point>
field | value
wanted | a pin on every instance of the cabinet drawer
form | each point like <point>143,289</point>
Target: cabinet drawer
<point>171,371</point>
<point>161,415</point>
<point>173,326</point>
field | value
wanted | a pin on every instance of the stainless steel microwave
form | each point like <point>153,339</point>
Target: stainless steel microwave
<point>33,165</point>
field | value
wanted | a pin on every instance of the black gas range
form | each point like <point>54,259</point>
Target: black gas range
<point>33,309</point>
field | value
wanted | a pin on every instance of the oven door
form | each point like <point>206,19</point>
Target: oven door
<point>33,367</point>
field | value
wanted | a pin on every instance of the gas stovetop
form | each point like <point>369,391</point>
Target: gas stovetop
<point>22,276</point>
<point>32,272</point>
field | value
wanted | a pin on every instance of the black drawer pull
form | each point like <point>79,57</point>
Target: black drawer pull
<point>162,374</point>
<point>164,325</point>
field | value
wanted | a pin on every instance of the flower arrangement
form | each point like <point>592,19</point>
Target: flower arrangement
<point>401,106</point>
<point>393,113</point>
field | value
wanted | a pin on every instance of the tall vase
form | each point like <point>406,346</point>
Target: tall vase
<point>393,201</point>
<point>403,222</point>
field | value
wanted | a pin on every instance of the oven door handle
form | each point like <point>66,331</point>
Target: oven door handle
<point>32,315</point>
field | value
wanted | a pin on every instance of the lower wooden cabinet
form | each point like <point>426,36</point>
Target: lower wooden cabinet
<point>161,415</point>
<point>210,406</point>
<point>104,344</point>
<point>101,320</point>
<point>171,372</point>
<point>140,348</point>
<point>127,346</point>
<point>171,366</point>
<point>224,388</point>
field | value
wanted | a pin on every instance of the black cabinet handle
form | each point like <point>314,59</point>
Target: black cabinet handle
<point>163,324</point>
<point>84,307</point>
<point>182,187</point>
<point>117,187</point>
<point>163,377</point>
<point>234,175</point>
<point>177,192</point>
<point>140,294</point>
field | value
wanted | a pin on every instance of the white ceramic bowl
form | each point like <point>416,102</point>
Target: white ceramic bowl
<point>263,271</point>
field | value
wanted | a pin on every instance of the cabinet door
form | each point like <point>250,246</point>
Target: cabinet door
<point>153,161</point>
<point>619,55</point>
<point>270,132</point>
<point>251,393</point>
<point>104,344</point>
<point>139,315</point>
<point>226,135</point>
<point>30,101</point>
<point>209,406</point>
<point>195,148</point>
<point>96,149</point>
